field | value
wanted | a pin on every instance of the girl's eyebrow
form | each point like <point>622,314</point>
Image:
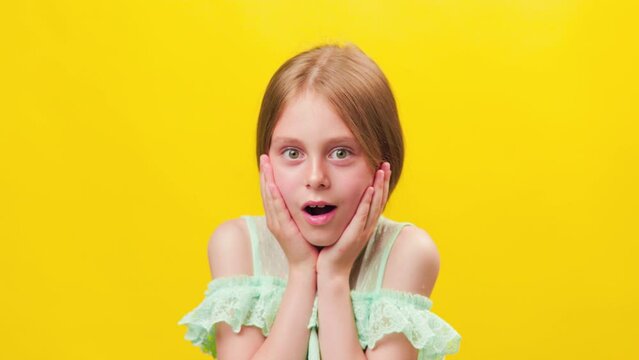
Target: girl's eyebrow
<point>339,139</point>
<point>284,139</point>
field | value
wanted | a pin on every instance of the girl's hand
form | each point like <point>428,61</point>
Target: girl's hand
<point>338,259</point>
<point>299,252</point>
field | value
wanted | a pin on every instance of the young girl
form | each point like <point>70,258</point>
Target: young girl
<point>323,271</point>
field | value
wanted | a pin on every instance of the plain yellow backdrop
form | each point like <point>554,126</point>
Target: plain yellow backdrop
<point>127,134</point>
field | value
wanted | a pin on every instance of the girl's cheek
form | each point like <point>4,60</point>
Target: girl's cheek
<point>359,182</point>
<point>281,179</point>
<point>278,177</point>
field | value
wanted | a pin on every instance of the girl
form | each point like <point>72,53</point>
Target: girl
<point>323,271</point>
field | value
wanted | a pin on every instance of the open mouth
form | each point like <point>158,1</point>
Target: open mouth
<point>318,213</point>
<point>317,210</point>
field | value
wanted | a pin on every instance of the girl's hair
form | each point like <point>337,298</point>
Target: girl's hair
<point>355,86</point>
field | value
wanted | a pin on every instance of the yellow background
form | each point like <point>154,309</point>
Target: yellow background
<point>127,135</point>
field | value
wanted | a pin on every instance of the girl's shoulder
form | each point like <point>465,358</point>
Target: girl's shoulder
<point>413,262</point>
<point>229,249</point>
<point>410,235</point>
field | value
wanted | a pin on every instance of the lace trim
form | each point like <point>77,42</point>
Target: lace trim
<point>389,311</point>
<point>237,300</point>
<point>254,301</point>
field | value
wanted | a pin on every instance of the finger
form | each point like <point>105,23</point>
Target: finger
<point>266,197</point>
<point>357,224</point>
<point>262,182</point>
<point>376,202</point>
<point>262,193</point>
<point>268,189</point>
<point>279,207</point>
<point>387,176</point>
<point>355,228</point>
<point>363,210</point>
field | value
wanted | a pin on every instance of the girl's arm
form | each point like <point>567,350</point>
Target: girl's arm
<point>289,335</point>
<point>230,255</point>
<point>413,266</point>
<point>337,332</point>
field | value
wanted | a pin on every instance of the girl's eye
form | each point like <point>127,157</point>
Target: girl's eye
<point>294,154</point>
<point>341,153</point>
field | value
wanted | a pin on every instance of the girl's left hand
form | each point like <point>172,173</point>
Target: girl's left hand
<point>338,259</point>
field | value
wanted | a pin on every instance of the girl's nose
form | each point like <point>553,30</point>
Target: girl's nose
<point>317,177</point>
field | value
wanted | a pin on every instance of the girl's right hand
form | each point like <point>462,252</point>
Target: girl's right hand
<point>299,252</point>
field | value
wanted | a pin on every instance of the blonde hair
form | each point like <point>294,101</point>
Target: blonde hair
<point>355,86</point>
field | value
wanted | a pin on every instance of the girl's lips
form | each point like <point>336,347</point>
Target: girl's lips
<point>319,219</point>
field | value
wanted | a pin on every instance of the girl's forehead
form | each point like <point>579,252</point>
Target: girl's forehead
<point>308,109</point>
<point>311,119</point>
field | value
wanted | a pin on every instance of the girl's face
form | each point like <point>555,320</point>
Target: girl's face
<point>315,157</point>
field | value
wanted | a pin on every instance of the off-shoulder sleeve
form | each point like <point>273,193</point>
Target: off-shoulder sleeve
<point>389,311</point>
<point>237,301</point>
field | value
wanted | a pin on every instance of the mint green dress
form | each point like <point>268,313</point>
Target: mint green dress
<point>254,300</point>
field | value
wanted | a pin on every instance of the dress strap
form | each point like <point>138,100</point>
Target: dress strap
<point>386,253</point>
<point>257,262</point>
<point>313,352</point>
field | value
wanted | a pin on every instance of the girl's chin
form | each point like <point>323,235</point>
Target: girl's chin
<point>320,243</point>
<point>318,237</point>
